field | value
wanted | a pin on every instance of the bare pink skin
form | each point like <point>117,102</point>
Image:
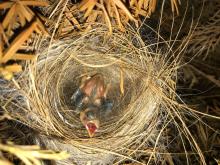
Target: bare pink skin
<point>94,87</point>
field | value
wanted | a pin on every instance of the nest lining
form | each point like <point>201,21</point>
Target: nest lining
<point>52,79</point>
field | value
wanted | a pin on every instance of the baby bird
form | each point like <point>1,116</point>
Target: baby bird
<point>90,101</point>
<point>90,120</point>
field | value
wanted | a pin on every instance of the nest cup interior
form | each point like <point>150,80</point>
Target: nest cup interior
<point>66,84</point>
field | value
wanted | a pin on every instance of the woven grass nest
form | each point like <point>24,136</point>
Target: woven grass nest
<point>141,79</point>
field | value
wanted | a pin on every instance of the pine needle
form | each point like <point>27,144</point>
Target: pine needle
<point>34,3</point>
<point>27,14</point>
<point>124,8</point>
<point>22,56</point>
<point>13,68</point>
<point>9,16</point>
<point>21,18</point>
<point>17,42</point>
<point>122,82</point>
<point>72,18</point>
<point>5,5</point>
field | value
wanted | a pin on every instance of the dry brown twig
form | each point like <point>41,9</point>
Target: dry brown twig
<point>147,7</point>
<point>120,12</point>
<point>18,16</point>
<point>114,13</point>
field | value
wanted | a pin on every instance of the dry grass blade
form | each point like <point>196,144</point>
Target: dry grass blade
<point>107,19</point>
<point>85,4</point>
<point>22,56</point>
<point>147,7</point>
<point>8,71</point>
<point>124,8</point>
<point>152,5</point>
<point>217,161</point>
<point>89,7</point>
<point>5,5</point>
<point>140,3</point>
<point>21,18</point>
<point>32,155</point>
<point>118,18</point>
<point>1,48</point>
<point>26,13</point>
<point>4,38</point>
<point>40,26</point>
<point>91,19</point>
<point>122,82</point>
<point>72,18</point>
<point>34,3</point>
<point>13,68</point>
<point>9,16</point>
<point>174,6</point>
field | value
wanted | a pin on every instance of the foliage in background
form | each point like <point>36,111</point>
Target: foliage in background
<point>206,37</point>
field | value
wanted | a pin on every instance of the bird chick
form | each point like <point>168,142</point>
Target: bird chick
<point>90,102</point>
<point>90,120</point>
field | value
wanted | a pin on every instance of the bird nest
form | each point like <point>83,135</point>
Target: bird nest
<point>141,81</point>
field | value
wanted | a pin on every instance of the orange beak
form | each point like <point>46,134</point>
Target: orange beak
<point>91,127</point>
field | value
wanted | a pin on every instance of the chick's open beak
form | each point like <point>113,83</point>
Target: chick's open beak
<point>90,121</point>
<point>91,127</point>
